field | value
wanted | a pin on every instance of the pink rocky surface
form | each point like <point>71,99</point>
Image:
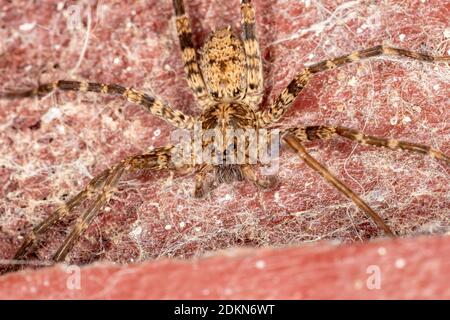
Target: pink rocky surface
<point>399,269</point>
<point>50,148</point>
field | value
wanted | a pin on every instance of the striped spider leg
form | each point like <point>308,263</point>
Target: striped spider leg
<point>189,56</point>
<point>310,133</point>
<point>154,106</point>
<point>98,191</point>
<point>282,103</point>
<point>294,137</point>
<point>100,188</point>
<point>255,79</point>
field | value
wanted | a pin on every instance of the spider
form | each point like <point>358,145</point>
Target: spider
<point>226,79</point>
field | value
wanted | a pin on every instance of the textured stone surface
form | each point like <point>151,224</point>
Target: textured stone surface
<point>406,269</point>
<point>52,147</point>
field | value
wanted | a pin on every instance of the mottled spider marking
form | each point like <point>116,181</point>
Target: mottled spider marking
<point>223,66</point>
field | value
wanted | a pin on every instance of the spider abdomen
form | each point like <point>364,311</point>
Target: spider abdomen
<point>223,66</point>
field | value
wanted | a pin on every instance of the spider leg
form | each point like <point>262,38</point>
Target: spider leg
<point>84,221</point>
<point>60,213</point>
<point>262,182</point>
<point>287,96</point>
<point>191,68</point>
<point>155,106</point>
<point>203,183</point>
<point>101,186</point>
<point>310,133</point>
<point>156,160</point>
<point>255,85</point>
<point>295,144</point>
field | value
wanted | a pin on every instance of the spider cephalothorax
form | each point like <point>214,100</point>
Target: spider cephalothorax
<point>228,86</point>
<point>227,122</point>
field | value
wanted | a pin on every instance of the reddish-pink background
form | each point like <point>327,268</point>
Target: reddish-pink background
<point>51,148</point>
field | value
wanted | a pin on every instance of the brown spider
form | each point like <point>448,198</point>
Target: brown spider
<point>227,82</point>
